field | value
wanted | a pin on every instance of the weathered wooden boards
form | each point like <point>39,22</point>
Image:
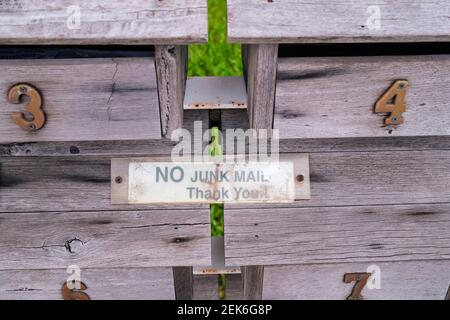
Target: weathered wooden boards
<point>410,280</point>
<point>335,97</point>
<point>337,234</point>
<point>102,284</point>
<point>375,201</point>
<point>107,284</point>
<point>260,63</point>
<point>283,21</point>
<point>123,252</point>
<point>171,74</point>
<point>379,194</point>
<point>92,95</point>
<point>84,99</point>
<point>98,239</point>
<point>103,22</point>
<point>408,244</point>
<point>113,148</point>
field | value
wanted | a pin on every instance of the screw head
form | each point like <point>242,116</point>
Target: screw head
<point>118,180</point>
<point>300,178</point>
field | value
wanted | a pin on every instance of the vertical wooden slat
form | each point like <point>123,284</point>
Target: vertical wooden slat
<point>261,71</point>
<point>252,277</point>
<point>171,73</point>
<point>183,279</point>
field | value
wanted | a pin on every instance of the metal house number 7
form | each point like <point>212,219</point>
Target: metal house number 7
<point>360,280</point>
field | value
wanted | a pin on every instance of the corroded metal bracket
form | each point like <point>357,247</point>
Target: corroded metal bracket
<point>393,102</point>
<point>74,294</point>
<point>34,117</point>
<point>360,279</point>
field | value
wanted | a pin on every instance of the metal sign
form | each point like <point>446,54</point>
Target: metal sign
<point>148,181</point>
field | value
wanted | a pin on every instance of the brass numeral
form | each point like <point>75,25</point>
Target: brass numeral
<point>360,280</point>
<point>393,102</point>
<point>34,117</point>
<point>74,294</point>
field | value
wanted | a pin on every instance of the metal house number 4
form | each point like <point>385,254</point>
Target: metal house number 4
<point>393,102</point>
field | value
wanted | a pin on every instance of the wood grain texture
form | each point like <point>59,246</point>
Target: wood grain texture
<point>286,21</point>
<point>234,289</point>
<point>237,119</point>
<point>376,178</point>
<point>85,99</point>
<point>171,71</point>
<point>410,280</point>
<point>252,279</point>
<point>102,284</point>
<point>104,22</point>
<point>62,184</point>
<point>335,97</point>
<point>206,287</point>
<point>261,64</point>
<point>49,240</point>
<point>183,279</point>
<point>113,148</point>
<point>337,179</point>
<point>337,234</point>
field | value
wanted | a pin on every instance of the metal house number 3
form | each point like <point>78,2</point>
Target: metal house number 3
<point>33,118</point>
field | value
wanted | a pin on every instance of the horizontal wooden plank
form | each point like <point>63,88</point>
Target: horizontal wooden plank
<point>237,119</point>
<point>111,148</point>
<point>103,22</point>
<point>323,235</point>
<point>337,179</point>
<point>84,99</point>
<point>49,240</point>
<point>284,21</point>
<point>335,97</point>
<point>375,178</point>
<point>411,280</point>
<point>102,284</point>
<point>61,184</point>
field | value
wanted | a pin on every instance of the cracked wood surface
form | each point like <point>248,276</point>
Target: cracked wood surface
<point>299,21</point>
<point>132,239</point>
<point>103,22</point>
<point>349,234</point>
<point>85,99</point>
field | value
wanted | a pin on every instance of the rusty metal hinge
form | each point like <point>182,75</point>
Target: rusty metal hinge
<point>393,102</point>
<point>34,117</point>
<point>360,279</point>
